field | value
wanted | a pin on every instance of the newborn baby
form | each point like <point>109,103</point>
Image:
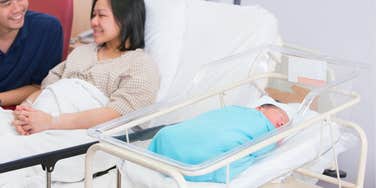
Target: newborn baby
<point>216,132</point>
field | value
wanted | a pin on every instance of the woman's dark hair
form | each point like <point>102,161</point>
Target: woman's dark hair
<point>130,16</point>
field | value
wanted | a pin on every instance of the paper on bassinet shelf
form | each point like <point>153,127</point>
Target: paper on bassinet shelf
<point>307,71</point>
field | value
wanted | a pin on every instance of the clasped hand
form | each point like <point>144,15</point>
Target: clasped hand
<point>28,120</point>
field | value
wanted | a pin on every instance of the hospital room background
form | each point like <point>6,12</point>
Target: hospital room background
<point>345,29</point>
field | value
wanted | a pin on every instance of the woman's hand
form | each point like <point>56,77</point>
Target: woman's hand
<point>20,119</point>
<point>29,121</point>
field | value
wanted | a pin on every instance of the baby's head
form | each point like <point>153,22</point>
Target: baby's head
<point>276,115</point>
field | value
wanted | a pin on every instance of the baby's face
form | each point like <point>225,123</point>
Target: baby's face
<point>276,116</point>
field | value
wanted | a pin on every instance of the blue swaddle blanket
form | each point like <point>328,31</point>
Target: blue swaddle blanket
<point>210,135</point>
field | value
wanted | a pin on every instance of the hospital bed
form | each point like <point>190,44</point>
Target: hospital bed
<point>174,48</point>
<point>315,133</point>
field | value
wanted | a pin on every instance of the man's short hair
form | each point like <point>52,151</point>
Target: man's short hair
<point>4,1</point>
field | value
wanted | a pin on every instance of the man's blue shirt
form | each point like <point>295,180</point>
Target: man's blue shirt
<point>37,48</point>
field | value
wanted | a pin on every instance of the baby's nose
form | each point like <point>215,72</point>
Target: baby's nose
<point>279,124</point>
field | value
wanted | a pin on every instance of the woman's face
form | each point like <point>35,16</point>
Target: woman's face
<point>103,23</point>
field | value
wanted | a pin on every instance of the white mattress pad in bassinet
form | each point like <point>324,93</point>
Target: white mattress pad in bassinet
<point>292,154</point>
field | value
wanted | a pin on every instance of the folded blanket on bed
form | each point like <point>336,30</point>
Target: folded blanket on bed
<point>69,95</point>
<point>64,96</point>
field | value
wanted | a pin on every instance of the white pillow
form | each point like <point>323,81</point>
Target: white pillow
<point>217,30</point>
<point>164,28</point>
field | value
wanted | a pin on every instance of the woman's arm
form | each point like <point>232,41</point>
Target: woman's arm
<point>32,121</point>
<point>85,119</point>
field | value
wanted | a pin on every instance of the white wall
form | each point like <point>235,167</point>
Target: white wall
<point>345,29</point>
<point>373,144</point>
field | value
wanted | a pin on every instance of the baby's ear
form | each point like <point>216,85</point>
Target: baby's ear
<point>258,108</point>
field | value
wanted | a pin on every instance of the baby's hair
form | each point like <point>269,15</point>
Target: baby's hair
<point>4,1</point>
<point>269,106</point>
<point>272,106</point>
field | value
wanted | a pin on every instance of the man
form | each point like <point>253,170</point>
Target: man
<point>217,132</point>
<point>30,45</point>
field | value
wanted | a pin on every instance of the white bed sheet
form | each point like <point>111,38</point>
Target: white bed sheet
<point>292,154</point>
<point>64,96</point>
<point>105,181</point>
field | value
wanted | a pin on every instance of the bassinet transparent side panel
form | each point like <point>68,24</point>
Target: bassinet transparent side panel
<point>339,77</point>
<point>241,80</point>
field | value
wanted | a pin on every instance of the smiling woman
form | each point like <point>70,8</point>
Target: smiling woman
<point>118,25</point>
<point>106,29</point>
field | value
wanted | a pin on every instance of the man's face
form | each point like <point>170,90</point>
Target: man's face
<point>12,14</point>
